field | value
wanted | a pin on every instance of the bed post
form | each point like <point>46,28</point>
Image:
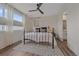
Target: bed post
<point>24,36</point>
<point>53,38</point>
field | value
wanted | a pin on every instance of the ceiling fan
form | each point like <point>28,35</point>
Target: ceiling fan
<point>38,8</point>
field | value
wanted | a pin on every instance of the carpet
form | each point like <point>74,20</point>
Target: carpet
<point>38,49</point>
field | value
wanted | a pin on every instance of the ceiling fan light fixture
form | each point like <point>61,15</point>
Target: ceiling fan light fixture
<point>38,8</point>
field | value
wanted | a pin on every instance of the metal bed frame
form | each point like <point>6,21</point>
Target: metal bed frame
<point>53,36</point>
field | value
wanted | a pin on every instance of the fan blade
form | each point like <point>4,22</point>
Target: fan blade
<point>32,10</point>
<point>39,5</point>
<point>41,11</point>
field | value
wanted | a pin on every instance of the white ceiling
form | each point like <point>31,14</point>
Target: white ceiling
<point>49,9</point>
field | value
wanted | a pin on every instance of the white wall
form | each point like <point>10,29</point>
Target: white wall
<point>72,26</point>
<point>47,21</point>
<point>60,27</point>
<point>8,38</point>
<point>2,39</point>
<point>29,23</point>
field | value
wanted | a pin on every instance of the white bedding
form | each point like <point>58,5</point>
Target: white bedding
<point>39,36</point>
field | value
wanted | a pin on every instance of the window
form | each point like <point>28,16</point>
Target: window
<point>17,16</point>
<point>1,12</point>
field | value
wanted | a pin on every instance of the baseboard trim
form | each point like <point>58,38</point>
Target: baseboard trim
<point>10,46</point>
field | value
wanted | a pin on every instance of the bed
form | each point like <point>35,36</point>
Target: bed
<point>38,37</point>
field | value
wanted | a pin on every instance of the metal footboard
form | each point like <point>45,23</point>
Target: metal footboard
<point>42,39</point>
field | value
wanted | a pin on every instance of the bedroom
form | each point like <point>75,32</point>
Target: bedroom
<point>37,32</point>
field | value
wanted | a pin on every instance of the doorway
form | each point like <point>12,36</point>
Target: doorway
<point>65,31</point>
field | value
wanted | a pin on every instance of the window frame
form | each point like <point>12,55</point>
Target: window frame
<point>4,10</point>
<point>16,12</point>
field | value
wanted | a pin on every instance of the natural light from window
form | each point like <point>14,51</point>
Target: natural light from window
<point>17,17</point>
<point>1,12</point>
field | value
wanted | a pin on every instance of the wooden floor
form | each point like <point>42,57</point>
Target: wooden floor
<point>12,52</point>
<point>9,51</point>
<point>64,48</point>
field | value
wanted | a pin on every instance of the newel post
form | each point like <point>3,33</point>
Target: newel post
<point>53,35</point>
